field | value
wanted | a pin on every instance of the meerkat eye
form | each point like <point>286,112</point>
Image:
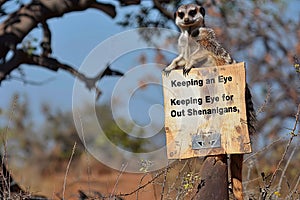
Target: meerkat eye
<point>180,15</point>
<point>192,13</point>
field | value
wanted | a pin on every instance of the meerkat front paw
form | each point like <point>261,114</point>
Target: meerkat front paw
<point>187,69</point>
<point>166,72</point>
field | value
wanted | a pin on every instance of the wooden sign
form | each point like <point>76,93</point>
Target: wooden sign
<point>205,112</point>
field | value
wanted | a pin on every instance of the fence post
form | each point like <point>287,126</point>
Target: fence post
<point>214,179</point>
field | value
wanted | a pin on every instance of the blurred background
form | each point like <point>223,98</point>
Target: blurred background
<point>36,123</point>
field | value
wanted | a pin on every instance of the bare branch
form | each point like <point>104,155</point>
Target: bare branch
<point>143,186</point>
<point>2,2</point>
<point>293,134</point>
<point>284,170</point>
<point>108,72</point>
<point>20,23</point>
<point>106,8</point>
<point>52,64</point>
<point>295,188</point>
<point>67,170</point>
<point>164,184</point>
<point>129,2</point>
<point>46,42</point>
<point>13,63</point>
<point>267,98</point>
<point>164,11</point>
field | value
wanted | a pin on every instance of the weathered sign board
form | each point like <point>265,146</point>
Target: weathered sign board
<point>205,112</point>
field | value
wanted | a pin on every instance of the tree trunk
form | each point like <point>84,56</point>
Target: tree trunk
<point>214,179</point>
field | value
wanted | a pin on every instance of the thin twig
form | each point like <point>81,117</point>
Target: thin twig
<point>50,63</point>
<point>164,11</point>
<point>86,152</point>
<point>143,186</point>
<point>137,192</point>
<point>6,174</point>
<point>267,98</point>
<point>262,150</point>
<point>250,167</point>
<point>67,171</point>
<point>122,170</point>
<point>164,183</point>
<point>284,170</point>
<point>179,176</point>
<point>292,133</point>
<point>295,188</point>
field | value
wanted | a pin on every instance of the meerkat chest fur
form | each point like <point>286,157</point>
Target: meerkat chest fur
<point>188,18</point>
<point>187,45</point>
<point>197,44</point>
<point>201,47</point>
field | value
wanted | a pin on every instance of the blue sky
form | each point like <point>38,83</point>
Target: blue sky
<point>74,35</point>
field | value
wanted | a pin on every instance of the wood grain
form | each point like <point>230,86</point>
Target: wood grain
<point>207,101</point>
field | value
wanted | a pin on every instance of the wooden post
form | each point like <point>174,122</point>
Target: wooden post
<point>214,179</point>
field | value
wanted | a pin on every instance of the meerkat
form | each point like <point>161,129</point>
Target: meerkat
<point>188,18</point>
<point>199,47</point>
<point>197,44</point>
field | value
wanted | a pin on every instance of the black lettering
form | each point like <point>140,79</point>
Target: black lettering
<point>173,103</point>
<point>221,111</point>
<point>173,113</point>
<point>173,83</point>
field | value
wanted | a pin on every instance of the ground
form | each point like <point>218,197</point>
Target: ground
<point>87,175</point>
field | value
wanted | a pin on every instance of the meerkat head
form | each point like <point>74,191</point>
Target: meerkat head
<point>190,16</point>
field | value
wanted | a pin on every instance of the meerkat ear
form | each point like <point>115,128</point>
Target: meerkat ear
<point>202,11</point>
<point>174,15</point>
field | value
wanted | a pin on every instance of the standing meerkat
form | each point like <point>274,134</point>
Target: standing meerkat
<point>188,18</point>
<point>199,47</point>
<point>197,44</point>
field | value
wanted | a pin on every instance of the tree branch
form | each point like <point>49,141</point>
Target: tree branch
<point>20,23</point>
<point>2,2</point>
<point>129,2</point>
<point>46,42</point>
<point>21,57</point>
<point>106,8</point>
<point>164,11</point>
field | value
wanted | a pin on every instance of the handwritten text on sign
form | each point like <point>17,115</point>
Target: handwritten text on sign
<point>205,112</point>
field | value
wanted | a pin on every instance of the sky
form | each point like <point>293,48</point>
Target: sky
<point>74,36</point>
